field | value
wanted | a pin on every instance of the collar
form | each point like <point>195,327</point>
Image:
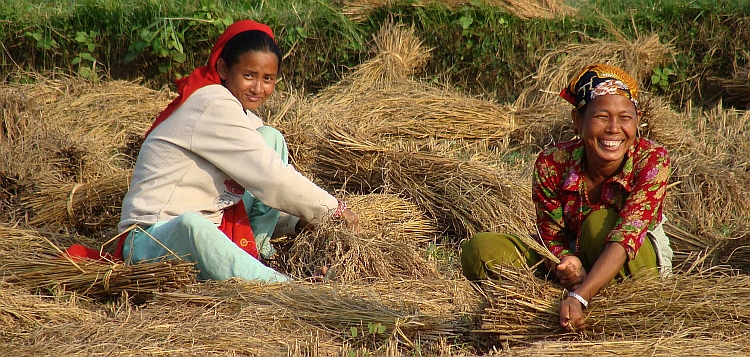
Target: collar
<point>574,178</point>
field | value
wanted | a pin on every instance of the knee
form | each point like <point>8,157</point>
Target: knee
<point>272,136</point>
<point>192,221</point>
<point>479,242</point>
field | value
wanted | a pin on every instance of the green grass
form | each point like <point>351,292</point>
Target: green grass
<point>479,48</point>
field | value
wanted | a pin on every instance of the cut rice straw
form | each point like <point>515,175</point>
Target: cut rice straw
<point>465,197</point>
<point>524,308</point>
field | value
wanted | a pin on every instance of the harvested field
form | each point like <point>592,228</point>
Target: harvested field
<point>425,166</point>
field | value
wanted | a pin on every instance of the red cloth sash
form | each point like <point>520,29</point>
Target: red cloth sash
<point>236,225</point>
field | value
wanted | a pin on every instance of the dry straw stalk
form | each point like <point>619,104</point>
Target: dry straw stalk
<point>524,309</point>
<point>94,203</point>
<point>466,197</point>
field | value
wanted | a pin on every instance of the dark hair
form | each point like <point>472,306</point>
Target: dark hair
<point>249,41</point>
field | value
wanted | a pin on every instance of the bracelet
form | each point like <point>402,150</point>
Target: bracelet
<point>579,298</point>
<point>339,210</point>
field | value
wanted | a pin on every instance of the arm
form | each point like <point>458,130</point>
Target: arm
<point>642,206</point>
<point>604,270</point>
<point>224,136</point>
<point>549,212</point>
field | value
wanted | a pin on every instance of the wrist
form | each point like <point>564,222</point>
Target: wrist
<point>339,210</point>
<point>581,299</point>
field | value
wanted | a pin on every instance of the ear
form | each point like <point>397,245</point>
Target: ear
<point>577,120</point>
<point>222,68</point>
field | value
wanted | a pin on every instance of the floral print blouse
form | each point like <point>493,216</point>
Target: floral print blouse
<point>562,202</point>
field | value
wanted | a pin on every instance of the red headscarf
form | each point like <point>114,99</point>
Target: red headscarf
<point>207,75</point>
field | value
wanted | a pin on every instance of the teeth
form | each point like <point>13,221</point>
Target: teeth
<point>611,143</point>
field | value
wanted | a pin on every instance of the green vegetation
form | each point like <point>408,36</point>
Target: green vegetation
<point>481,48</point>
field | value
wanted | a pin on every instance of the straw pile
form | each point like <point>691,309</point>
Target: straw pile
<point>360,10</point>
<point>711,194</point>
<point>95,203</point>
<point>378,130</point>
<point>390,243</point>
<point>524,308</point>
<point>30,260</point>
<point>664,346</point>
<point>379,98</point>
<point>737,87</point>
<point>637,57</point>
<point>71,133</point>
<point>228,318</point>
<point>465,197</point>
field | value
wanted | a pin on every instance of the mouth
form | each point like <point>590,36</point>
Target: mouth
<point>252,98</point>
<point>610,144</point>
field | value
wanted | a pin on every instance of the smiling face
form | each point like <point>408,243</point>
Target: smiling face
<point>608,127</point>
<point>252,78</point>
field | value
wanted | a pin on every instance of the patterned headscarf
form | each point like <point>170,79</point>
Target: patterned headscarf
<point>597,80</point>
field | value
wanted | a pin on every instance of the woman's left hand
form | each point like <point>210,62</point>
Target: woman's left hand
<point>571,315</point>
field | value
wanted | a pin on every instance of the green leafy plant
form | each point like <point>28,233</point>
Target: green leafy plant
<point>43,40</point>
<point>84,59</point>
<point>660,78</point>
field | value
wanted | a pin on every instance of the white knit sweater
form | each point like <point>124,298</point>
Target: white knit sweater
<point>200,158</point>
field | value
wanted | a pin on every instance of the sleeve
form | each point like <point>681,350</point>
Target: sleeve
<point>549,211</point>
<point>224,136</point>
<point>643,205</point>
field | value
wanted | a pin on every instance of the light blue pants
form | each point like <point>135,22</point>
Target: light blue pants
<point>194,238</point>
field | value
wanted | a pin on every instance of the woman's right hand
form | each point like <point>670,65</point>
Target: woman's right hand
<point>350,217</point>
<point>570,272</point>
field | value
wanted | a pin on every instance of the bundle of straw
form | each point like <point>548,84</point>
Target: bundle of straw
<point>379,253</point>
<point>665,126</point>
<point>379,211</point>
<point>94,203</point>
<point>677,343</point>
<point>637,57</point>
<point>360,10</point>
<point>737,87</point>
<point>703,304</point>
<point>97,278</point>
<point>379,98</point>
<point>30,260</point>
<point>338,308</point>
<point>414,110</point>
<point>465,197</point>
<point>536,9</point>
<point>390,242</point>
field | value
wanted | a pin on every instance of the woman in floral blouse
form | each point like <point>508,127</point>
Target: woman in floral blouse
<point>598,198</point>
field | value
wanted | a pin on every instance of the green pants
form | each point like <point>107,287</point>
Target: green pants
<point>481,254</point>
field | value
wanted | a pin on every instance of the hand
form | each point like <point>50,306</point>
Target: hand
<point>570,272</point>
<point>319,276</point>
<point>351,218</point>
<point>571,315</point>
<point>302,226</point>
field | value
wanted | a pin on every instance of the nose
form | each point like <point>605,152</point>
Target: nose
<point>613,125</point>
<point>256,86</point>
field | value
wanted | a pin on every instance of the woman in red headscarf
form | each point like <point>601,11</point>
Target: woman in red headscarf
<point>598,198</point>
<point>211,180</point>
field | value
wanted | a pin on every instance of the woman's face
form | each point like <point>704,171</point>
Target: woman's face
<point>608,128</point>
<point>251,79</point>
